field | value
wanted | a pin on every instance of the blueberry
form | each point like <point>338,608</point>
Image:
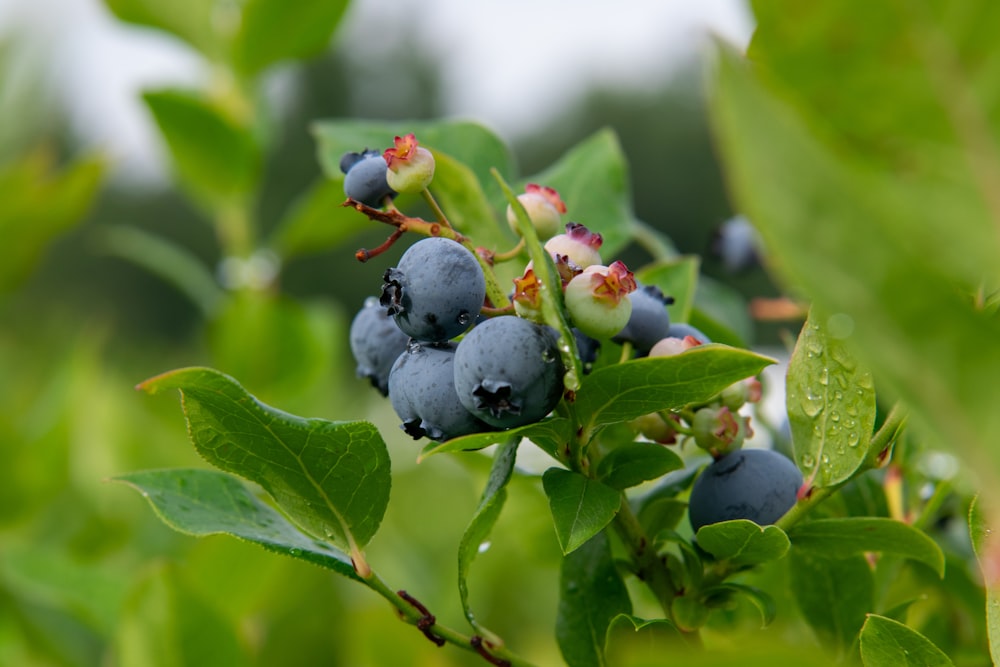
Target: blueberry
<point>376,342</point>
<point>437,290</point>
<point>422,392</point>
<point>737,243</point>
<point>755,484</point>
<point>364,178</point>
<point>649,321</point>
<point>508,371</point>
<point>681,330</point>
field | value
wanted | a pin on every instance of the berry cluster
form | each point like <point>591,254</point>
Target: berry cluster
<point>454,361</point>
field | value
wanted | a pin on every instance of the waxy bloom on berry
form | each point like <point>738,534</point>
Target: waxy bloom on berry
<point>544,207</point>
<point>410,166</point>
<point>596,299</point>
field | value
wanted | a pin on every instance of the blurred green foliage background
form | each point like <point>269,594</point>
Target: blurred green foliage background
<point>103,284</point>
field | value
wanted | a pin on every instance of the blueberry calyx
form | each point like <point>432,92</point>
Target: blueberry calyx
<point>497,398</point>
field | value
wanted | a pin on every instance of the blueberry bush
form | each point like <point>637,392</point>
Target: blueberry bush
<point>613,467</point>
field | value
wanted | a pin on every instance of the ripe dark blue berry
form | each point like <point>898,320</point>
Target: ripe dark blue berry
<point>376,342</point>
<point>364,178</point>
<point>422,392</point>
<point>755,484</point>
<point>508,371</point>
<point>737,244</point>
<point>437,290</point>
<point>649,321</point>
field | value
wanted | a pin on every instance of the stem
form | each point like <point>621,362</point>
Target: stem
<point>510,254</point>
<point>414,613</point>
<point>438,213</point>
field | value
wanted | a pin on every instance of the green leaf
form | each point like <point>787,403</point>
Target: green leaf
<point>661,513</point>
<point>42,575</point>
<point>721,313</point>
<point>592,179</point>
<point>842,537</point>
<point>743,541</point>
<point>331,478</point>
<point>630,639</point>
<point>580,506</point>
<point>889,643</point>
<point>215,157</point>
<point>549,434</point>
<point>986,546</point>
<point>167,623</point>
<point>677,278</point>
<point>461,196</point>
<point>482,523</point>
<point>893,255</point>
<point>635,463</point>
<point>834,595</point>
<point>194,21</point>
<point>758,598</point>
<point>635,388</point>
<point>274,30</point>
<point>591,595</point>
<point>831,403</point>
<point>316,221</point>
<point>550,288</point>
<point>166,259</point>
<point>41,202</point>
<point>208,502</point>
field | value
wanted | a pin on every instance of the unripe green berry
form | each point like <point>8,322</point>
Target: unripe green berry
<point>410,167</point>
<point>596,299</point>
<point>544,208</point>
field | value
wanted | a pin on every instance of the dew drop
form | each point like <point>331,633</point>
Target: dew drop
<point>484,546</point>
<point>824,377</point>
<point>851,410</point>
<point>826,459</point>
<point>850,423</point>
<point>812,347</point>
<point>835,416</point>
<point>838,395</point>
<point>853,439</point>
<point>841,450</point>
<point>464,318</point>
<point>295,551</point>
<point>841,356</point>
<point>808,461</point>
<point>865,380</point>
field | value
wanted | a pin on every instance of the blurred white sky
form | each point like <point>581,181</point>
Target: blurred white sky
<point>508,63</point>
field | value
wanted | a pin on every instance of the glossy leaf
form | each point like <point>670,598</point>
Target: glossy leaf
<point>485,517</point>
<point>331,478</point>
<point>635,463</point>
<point>580,506</point>
<point>987,546</point>
<point>167,623</point>
<point>831,403</point>
<point>743,542</point>
<point>40,203</point>
<point>273,30</point>
<point>892,254</point>
<point>834,595</point>
<point>591,595</point>
<point>889,643</point>
<point>549,434</point>
<point>462,196</point>
<point>592,179</point>
<point>216,158</point>
<point>842,537</point>
<point>635,388</point>
<point>208,502</point>
<point>660,514</point>
<point>677,278</point>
